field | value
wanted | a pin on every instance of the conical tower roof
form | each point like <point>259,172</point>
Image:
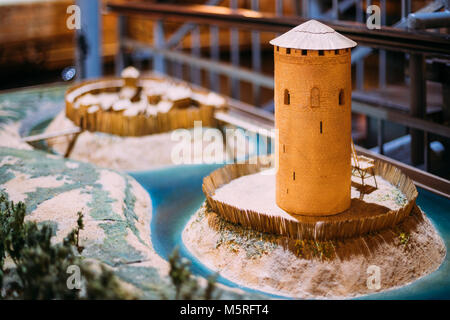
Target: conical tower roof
<point>313,35</point>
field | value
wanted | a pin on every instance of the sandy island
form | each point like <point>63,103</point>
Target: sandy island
<point>308,268</point>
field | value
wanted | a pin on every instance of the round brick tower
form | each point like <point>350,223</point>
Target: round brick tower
<point>313,117</point>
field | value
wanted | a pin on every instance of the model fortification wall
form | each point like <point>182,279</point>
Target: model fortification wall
<point>132,118</point>
<point>336,227</point>
<point>313,118</point>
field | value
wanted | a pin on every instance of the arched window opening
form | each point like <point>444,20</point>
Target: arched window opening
<point>315,97</point>
<point>341,97</point>
<point>287,97</point>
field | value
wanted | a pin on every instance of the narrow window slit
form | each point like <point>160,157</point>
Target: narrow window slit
<point>293,176</point>
<point>341,97</point>
<point>287,97</point>
<point>320,126</point>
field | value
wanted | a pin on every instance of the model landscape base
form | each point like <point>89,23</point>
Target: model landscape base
<point>241,233</point>
<point>117,217</point>
<point>315,269</point>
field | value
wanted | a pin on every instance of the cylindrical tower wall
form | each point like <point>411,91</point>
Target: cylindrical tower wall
<point>313,116</point>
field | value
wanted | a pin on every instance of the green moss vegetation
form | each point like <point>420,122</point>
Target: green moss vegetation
<point>129,208</point>
<point>403,237</point>
<point>399,197</point>
<point>115,249</point>
<point>395,195</point>
<point>323,250</point>
<point>147,280</point>
<point>256,244</point>
<point>38,164</point>
<point>235,238</point>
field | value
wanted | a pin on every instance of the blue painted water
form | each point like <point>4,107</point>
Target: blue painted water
<point>176,194</point>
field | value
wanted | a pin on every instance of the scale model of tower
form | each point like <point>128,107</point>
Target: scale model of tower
<point>313,117</point>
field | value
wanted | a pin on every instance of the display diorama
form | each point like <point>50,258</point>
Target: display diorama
<point>313,220</point>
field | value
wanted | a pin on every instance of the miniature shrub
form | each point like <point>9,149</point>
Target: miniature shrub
<point>403,237</point>
<point>186,286</point>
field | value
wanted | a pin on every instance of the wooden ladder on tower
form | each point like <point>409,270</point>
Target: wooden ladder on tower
<point>363,167</point>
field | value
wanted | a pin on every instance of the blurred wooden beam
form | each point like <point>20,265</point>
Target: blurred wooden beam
<point>385,38</point>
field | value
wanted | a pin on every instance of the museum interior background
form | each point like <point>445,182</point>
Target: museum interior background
<point>400,92</point>
<point>401,96</point>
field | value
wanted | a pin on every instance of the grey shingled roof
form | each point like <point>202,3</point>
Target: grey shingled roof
<point>313,35</point>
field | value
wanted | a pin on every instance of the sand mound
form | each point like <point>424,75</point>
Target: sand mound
<point>137,153</point>
<point>310,269</point>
